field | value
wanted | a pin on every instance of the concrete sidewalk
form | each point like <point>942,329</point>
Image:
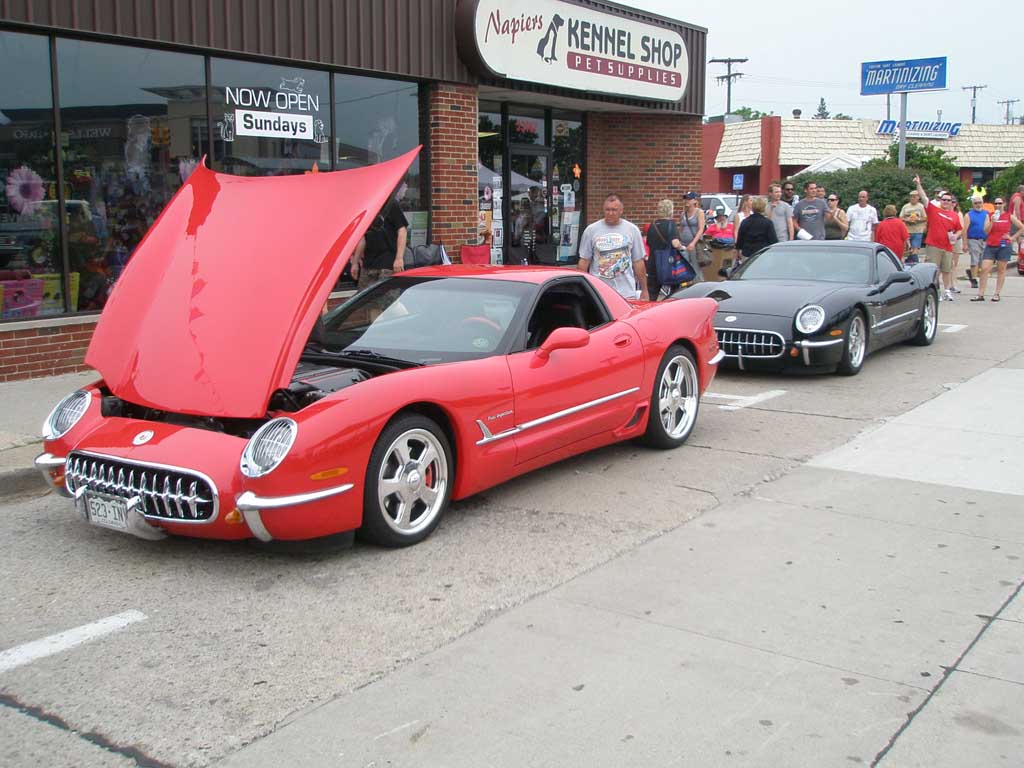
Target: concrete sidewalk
<point>25,404</point>
<point>846,613</point>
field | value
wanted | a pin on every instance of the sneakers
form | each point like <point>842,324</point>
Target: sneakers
<point>947,295</point>
<point>954,289</point>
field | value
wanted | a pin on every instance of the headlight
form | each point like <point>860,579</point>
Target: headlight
<point>810,319</point>
<point>268,447</point>
<point>66,414</point>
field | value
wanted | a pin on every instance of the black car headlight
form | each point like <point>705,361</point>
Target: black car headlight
<point>810,319</point>
<point>66,414</point>
<point>268,447</point>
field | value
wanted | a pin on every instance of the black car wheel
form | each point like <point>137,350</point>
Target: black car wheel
<point>408,482</point>
<point>855,348</point>
<point>929,320</point>
<point>675,400</point>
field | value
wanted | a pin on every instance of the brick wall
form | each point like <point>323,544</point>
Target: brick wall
<point>643,158</point>
<point>29,353</point>
<point>452,144</point>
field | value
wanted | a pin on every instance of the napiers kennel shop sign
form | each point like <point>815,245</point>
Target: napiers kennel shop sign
<point>564,44</point>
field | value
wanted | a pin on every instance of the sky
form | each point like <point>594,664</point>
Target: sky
<point>801,52</point>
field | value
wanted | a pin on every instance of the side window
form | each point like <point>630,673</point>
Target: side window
<point>563,305</point>
<point>886,266</point>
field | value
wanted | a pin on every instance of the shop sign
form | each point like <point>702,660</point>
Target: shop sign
<point>560,43</point>
<point>878,78</point>
<point>920,129</point>
<point>286,112</point>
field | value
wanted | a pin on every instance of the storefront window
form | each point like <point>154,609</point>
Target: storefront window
<point>31,272</point>
<point>567,177</point>
<point>526,126</point>
<point>489,182</point>
<point>131,122</point>
<point>269,120</point>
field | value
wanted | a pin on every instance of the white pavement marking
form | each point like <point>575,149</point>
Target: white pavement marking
<point>948,440</point>
<point>402,727</point>
<point>951,327</point>
<point>47,646</point>
<point>738,402</point>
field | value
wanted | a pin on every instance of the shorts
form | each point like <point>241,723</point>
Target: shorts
<point>916,238</point>
<point>939,256</point>
<point>368,277</point>
<point>1000,252</point>
<point>977,248</point>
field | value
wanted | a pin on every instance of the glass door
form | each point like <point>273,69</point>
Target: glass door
<point>529,207</point>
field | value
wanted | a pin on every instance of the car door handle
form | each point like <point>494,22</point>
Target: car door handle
<point>623,341</point>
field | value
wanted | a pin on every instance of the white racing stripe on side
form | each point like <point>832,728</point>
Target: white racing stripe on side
<point>62,641</point>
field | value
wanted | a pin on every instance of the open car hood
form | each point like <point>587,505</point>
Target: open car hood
<point>212,312</point>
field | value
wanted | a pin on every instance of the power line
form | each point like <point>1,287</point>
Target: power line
<point>1009,103</point>
<point>974,99</point>
<point>728,77</point>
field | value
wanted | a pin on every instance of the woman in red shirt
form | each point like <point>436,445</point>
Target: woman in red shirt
<point>997,248</point>
<point>892,232</point>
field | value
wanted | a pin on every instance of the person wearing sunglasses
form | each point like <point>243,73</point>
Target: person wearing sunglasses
<point>998,248</point>
<point>944,227</point>
<point>977,232</point>
<point>836,225</point>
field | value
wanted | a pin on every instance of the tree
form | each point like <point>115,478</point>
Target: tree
<point>1006,182</point>
<point>887,184</point>
<point>842,116</point>
<point>750,114</point>
<point>822,113</point>
<point>932,162</point>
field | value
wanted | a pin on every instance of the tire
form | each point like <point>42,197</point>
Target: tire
<point>855,347</point>
<point>675,400</point>
<point>408,482</point>
<point>929,320</point>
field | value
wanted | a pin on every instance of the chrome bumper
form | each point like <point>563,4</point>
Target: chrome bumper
<point>807,346</point>
<point>251,506</point>
<point>45,463</point>
<point>719,357</point>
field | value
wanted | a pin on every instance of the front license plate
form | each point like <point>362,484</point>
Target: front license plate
<point>107,511</point>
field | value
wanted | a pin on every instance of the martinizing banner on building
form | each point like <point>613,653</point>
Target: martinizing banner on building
<point>564,44</point>
<point>878,78</point>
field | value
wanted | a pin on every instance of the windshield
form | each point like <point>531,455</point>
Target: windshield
<point>427,320</point>
<point>831,265</point>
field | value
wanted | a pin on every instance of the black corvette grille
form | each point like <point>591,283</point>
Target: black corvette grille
<point>163,493</point>
<point>736,342</point>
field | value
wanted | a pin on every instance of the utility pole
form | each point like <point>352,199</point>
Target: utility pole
<point>728,77</point>
<point>974,99</point>
<point>1009,103</point>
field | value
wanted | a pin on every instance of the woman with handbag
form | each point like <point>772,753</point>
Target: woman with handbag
<point>691,230</point>
<point>662,235</point>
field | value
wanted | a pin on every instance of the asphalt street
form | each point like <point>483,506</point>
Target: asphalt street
<point>827,574</point>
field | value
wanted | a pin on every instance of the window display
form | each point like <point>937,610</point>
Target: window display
<point>31,272</point>
<point>269,120</point>
<point>132,121</point>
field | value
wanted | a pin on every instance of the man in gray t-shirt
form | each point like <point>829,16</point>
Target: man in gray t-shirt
<point>780,213</point>
<point>613,250</point>
<point>809,213</point>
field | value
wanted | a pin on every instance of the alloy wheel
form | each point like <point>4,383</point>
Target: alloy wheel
<point>413,480</point>
<point>857,341</point>
<point>677,396</point>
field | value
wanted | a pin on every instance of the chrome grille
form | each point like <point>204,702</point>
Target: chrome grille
<point>162,492</point>
<point>740,342</point>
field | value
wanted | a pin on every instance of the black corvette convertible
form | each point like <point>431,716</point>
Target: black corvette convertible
<point>821,305</point>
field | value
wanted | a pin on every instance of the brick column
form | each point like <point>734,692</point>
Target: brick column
<point>452,142</point>
<point>771,145</point>
<point>643,158</point>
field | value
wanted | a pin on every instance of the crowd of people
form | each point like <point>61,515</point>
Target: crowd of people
<point>986,235</point>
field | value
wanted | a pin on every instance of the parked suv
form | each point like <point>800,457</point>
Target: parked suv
<point>712,201</point>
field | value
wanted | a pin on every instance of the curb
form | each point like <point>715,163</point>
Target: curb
<point>17,475</point>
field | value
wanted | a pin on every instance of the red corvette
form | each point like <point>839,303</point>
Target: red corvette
<point>230,408</point>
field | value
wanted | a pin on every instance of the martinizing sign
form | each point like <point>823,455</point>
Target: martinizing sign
<point>878,78</point>
<point>560,43</point>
